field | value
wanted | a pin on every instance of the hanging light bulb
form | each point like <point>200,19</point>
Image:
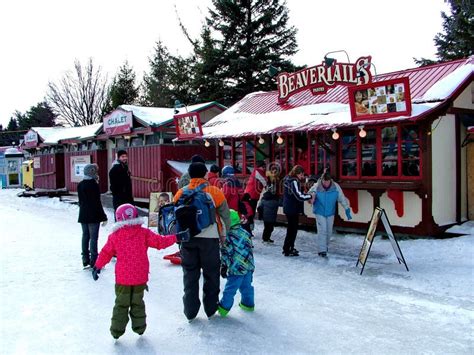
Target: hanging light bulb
<point>362,132</point>
<point>335,135</point>
<point>279,139</point>
<point>261,140</point>
<point>221,143</point>
<point>206,143</point>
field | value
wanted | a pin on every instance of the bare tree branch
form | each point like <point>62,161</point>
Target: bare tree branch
<point>79,98</point>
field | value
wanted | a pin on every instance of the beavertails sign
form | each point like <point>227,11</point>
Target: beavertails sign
<point>321,77</point>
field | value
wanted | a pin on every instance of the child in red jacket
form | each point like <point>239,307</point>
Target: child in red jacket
<point>129,242</point>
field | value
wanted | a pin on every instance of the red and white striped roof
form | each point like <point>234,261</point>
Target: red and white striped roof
<point>259,113</point>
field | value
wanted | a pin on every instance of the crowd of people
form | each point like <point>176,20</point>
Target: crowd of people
<point>220,249</point>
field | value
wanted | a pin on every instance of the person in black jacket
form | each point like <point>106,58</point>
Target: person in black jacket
<point>120,181</point>
<point>293,199</point>
<point>91,213</point>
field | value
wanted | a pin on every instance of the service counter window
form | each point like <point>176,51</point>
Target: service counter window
<point>385,153</point>
<point>280,156</point>
<point>349,167</point>
<point>121,143</point>
<point>389,137</point>
<point>136,141</point>
<point>238,156</point>
<point>411,151</point>
<point>226,152</point>
<point>369,153</point>
<point>249,155</point>
<point>152,138</point>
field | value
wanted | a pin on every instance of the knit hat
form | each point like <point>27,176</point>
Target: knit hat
<point>228,170</point>
<point>234,218</point>
<point>197,170</point>
<point>91,170</point>
<point>126,211</point>
<point>121,152</point>
<point>197,159</point>
<point>214,168</point>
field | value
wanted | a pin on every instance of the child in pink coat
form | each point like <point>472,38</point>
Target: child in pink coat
<point>129,242</point>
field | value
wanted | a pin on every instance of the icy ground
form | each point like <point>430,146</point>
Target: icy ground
<point>49,305</point>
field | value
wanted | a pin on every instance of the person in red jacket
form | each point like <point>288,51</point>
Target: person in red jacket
<point>129,242</point>
<point>255,185</point>
<point>213,176</point>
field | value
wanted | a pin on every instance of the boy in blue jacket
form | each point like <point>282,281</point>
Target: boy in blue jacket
<point>326,193</point>
<point>237,265</point>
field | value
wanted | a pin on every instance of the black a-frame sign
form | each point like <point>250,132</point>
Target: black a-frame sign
<point>379,214</point>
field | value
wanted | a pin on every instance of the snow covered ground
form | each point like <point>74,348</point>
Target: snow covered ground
<point>49,305</point>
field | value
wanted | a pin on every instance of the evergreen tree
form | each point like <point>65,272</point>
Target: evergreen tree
<point>123,90</point>
<point>457,39</point>
<point>13,123</point>
<point>156,84</point>
<point>40,115</point>
<point>242,39</point>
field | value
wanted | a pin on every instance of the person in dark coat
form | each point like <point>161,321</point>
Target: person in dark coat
<point>120,181</point>
<point>269,203</point>
<point>293,199</point>
<point>91,213</point>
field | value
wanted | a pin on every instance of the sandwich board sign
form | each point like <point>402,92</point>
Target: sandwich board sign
<point>379,214</point>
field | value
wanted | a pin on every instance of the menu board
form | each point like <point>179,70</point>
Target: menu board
<point>380,99</point>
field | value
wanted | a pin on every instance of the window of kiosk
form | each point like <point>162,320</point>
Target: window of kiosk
<point>410,146</point>
<point>301,151</point>
<point>349,154</point>
<point>369,153</point>
<point>249,155</point>
<point>136,142</point>
<point>226,152</point>
<point>262,151</point>
<point>280,154</point>
<point>121,142</point>
<point>313,154</point>
<point>238,156</point>
<point>389,137</point>
<point>152,138</point>
<point>325,154</point>
<point>290,152</point>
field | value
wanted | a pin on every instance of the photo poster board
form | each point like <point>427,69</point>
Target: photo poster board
<point>77,167</point>
<point>393,240</point>
<point>188,125</point>
<point>36,162</point>
<point>381,99</point>
<point>157,199</point>
<point>369,237</point>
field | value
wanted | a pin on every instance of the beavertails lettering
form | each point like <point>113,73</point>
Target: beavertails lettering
<point>322,77</point>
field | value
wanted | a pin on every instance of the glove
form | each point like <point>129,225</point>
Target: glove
<point>183,236</point>
<point>224,271</point>
<point>348,214</point>
<point>95,273</point>
<point>104,223</point>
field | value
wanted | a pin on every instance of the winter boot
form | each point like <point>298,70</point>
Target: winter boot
<point>222,311</point>
<point>246,308</point>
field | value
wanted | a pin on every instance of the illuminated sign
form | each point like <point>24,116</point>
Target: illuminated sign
<point>380,99</point>
<point>320,78</point>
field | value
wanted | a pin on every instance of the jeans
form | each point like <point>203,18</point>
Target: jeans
<point>324,225</point>
<point>243,283</point>
<point>90,235</point>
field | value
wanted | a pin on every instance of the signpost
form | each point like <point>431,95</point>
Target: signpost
<point>379,214</point>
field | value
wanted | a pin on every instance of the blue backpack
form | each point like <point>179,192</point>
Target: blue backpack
<point>194,210</point>
<point>166,220</point>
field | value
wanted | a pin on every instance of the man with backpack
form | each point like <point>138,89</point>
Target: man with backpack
<point>203,209</point>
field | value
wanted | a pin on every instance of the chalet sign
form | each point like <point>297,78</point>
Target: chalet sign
<point>31,139</point>
<point>321,77</point>
<point>118,122</point>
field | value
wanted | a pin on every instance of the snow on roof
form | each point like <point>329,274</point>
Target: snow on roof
<point>156,116</point>
<point>52,135</point>
<point>182,166</point>
<point>259,112</point>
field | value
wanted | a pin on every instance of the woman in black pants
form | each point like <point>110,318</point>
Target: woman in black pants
<point>293,199</point>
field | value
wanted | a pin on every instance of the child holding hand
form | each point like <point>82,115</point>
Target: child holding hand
<point>237,265</point>
<point>129,242</point>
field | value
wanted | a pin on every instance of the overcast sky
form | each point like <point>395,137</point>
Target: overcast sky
<point>40,39</point>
